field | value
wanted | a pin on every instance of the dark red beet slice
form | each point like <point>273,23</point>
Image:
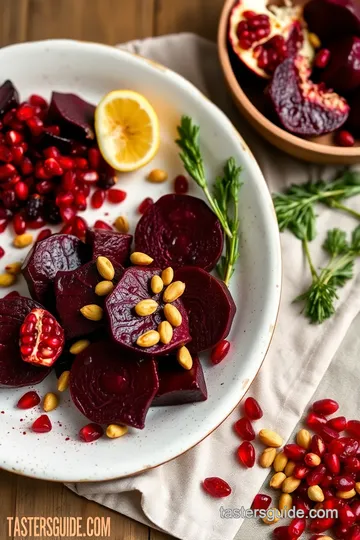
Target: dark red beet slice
<point>74,115</point>
<point>178,385</point>
<point>109,386</point>
<point>59,252</point>
<point>111,244</point>
<point>180,230</point>
<point>9,97</point>
<point>343,71</point>
<point>330,19</point>
<point>126,326</point>
<point>209,305</point>
<point>76,289</point>
<point>301,106</point>
<point>14,371</point>
<point>62,143</point>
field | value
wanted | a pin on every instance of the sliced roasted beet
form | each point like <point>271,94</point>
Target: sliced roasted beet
<point>330,19</point>
<point>74,115</point>
<point>343,70</point>
<point>126,326</point>
<point>178,385</point>
<point>111,244</point>
<point>50,139</point>
<point>110,386</point>
<point>59,252</point>
<point>64,363</point>
<point>301,106</point>
<point>209,305</point>
<point>13,370</point>
<point>9,97</point>
<point>171,234</point>
<point>76,289</point>
<point>354,117</point>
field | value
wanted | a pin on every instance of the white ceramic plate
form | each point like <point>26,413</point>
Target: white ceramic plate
<point>91,71</point>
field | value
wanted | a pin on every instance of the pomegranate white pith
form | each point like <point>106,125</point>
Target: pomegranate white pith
<point>41,338</point>
<point>258,34</point>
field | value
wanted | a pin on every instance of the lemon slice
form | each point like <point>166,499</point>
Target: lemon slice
<point>127,130</point>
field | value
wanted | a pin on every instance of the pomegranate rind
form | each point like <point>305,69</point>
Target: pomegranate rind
<point>34,358</point>
<point>343,70</point>
<point>178,385</point>
<point>210,307</point>
<point>331,19</point>
<point>74,115</point>
<point>301,106</point>
<point>13,371</point>
<point>9,97</point>
<point>126,327</point>
<point>111,244</point>
<point>76,289</point>
<point>170,233</point>
<point>59,252</point>
<point>130,405</point>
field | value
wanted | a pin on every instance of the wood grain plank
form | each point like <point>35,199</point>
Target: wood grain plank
<point>156,535</point>
<point>8,492</point>
<point>105,21</point>
<point>13,21</point>
<point>199,16</point>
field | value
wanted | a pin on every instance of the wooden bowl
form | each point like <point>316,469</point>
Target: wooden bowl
<point>248,96</point>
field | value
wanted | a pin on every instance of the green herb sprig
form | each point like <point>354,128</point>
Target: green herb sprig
<point>224,200</point>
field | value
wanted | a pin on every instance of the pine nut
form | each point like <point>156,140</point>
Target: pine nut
<point>93,312</point>
<point>173,291</point>
<point>290,484</point>
<point>6,280</point>
<point>272,516</point>
<point>173,315</point>
<point>285,502</point>
<point>303,438</point>
<point>270,438</point>
<point>357,487</point>
<point>167,275</point>
<point>148,339</point>
<point>346,494</point>
<point>105,268</point>
<point>103,288</point>
<point>122,224</point>
<point>157,175</point>
<point>140,259</point>
<point>280,462</point>
<point>184,358</point>
<point>63,381</point>
<point>166,332</point>
<point>289,469</point>
<point>146,307</point>
<point>79,346</point>
<point>157,284</point>
<point>23,240</point>
<point>267,457</point>
<point>277,479</point>
<point>51,401</point>
<point>13,268</point>
<point>315,493</point>
<point>113,431</point>
<point>314,40</point>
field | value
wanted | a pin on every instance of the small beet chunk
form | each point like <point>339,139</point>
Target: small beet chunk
<point>13,371</point>
<point>126,326</point>
<point>9,97</point>
<point>178,385</point>
<point>74,115</point>
<point>210,321</point>
<point>59,252</point>
<point>110,386</point>
<point>343,70</point>
<point>111,244</point>
<point>76,289</point>
<point>301,106</point>
<point>61,143</point>
<point>330,19</point>
<point>169,232</point>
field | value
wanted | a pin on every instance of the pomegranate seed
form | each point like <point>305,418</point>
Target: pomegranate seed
<point>315,421</point>
<point>328,493</point>
<point>116,195</point>
<point>294,452</point>
<point>64,199</point>
<point>42,424</point>
<point>253,409</point>
<point>91,432</point>
<point>346,515</point>
<point>52,167</point>
<point>344,138</point>
<point>320,525</point>
<point>102,225</point>
<point>341,531</point>
<point>35,125</point>
<point>54,130</point>
<point>26,166</point>
<point>3,225</point>
<point>2,252</point>
<point>40,171</point>
<point>261,502</point>
<point>44,187</point>
<point>322,58</point>
<point>181,185</point>
<point>66,163</point>
<point>351,464</point>
<point>19,224</point>
<point>81,163</point>
<point>339,423</point>
<point>351,447</point>
<point>85,189</point>
<point>21,191</point>
<point>28,400</point>
<point>52,152</point>
<point>80,227</point>
<point>80,201</point>
<point>216,487</point>
<point>9,117</point>
<point>301,471</point>
<point>13,137</point>
<point>45,233</point>
<point>5,154</point>
<point>246,454</point>
<point>67,214</point>
<point>244,429</point>
<point>38,101</point>
<point>6,171</point>
<point>355,507</point>
<point>97,199</point>
<point>95,158</point>
<point>17,154</point>
<point>354,533</point>
<point>344,483</point>
<point>332,463</point>
<point>79,149</point>
<point>328,434</point>
<point>353,427</point>
<point>297,527</point>
<point>282,533</point>
<point>90,177</point>
<point>337,447</point>
<point>325,406</point>
<point>24,112</point>
<point>220,351</point>
<point>9,199</point>
<point>36,223</point>
<point>316,475</point>
<point>146,203</point>
<point>302,505</point>
<point>67,229</point>
<point>68,181</point>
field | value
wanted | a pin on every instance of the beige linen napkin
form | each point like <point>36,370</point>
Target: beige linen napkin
<point>169,497</point>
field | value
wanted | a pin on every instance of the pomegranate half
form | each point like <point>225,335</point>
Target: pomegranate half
<point>261,35</point>
<point>41,338</point>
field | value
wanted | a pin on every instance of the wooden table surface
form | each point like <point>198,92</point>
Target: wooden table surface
<point>111,22</point>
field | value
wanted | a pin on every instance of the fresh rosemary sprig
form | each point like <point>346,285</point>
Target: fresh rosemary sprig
<point>224,201</point>
<point>320,297</point>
